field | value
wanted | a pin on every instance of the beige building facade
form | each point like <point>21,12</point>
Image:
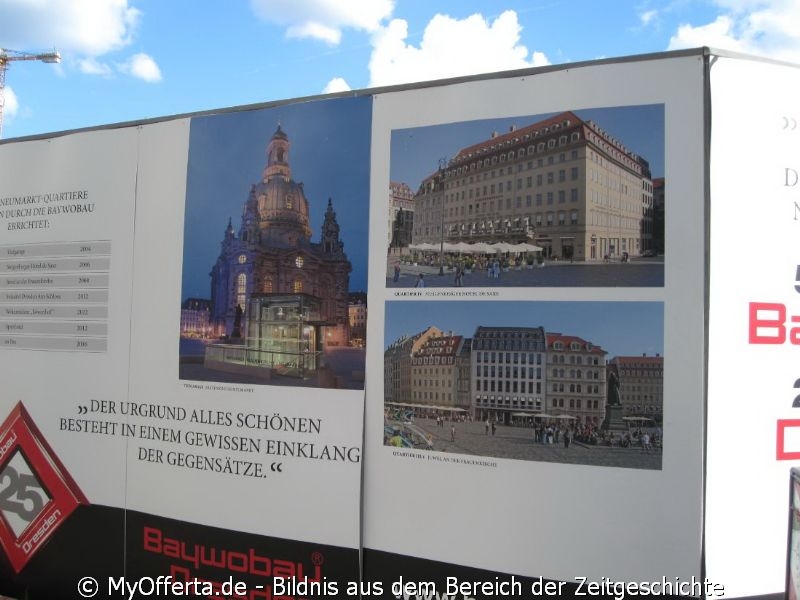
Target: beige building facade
<point>562,183</point>
<point>397,365</point>
<point>576,378</point>
<point>438,373</point>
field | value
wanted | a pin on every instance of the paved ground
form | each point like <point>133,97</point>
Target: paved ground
<point>517,443</point>
<point>343,368</point>
<point>643,272</point>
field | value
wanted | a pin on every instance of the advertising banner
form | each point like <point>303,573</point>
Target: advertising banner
<point>540,414</point>
<point>753,380</point>
<point>67,207</point>
<point>246,394</point>
<point>190,405</point>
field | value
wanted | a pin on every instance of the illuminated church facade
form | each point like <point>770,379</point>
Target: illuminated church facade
<point>271,286</point>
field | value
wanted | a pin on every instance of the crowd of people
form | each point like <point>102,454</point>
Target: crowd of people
<point>544,432</point>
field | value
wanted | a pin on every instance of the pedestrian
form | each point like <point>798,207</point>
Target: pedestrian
<point>420,281</point>
<point>396,439</point>
<point>567,437</point>
<point>646,442</point>
<point>452,433</point>
<point>396,272</point>
<point>494,427</point>
<point>487,427</point>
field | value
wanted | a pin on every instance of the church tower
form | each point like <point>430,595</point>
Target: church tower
<point>332,246</point>
<point>278,157</point>
<point>282,207</point>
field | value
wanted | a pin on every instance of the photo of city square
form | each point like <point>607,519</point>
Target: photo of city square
<point>567,382</point>
<point>574,198</point>
<point>275,246</point>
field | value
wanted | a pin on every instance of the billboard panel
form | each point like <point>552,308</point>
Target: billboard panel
<point>752,427</point>
<point>543,383</point>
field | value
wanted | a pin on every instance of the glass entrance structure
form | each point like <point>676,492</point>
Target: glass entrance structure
<point>282,332</point>
<point>282,335</point>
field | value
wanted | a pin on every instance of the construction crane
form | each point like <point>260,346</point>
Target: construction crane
<point>7,56</point>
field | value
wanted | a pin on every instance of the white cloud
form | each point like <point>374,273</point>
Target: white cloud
<point>449,47</point>
<point>324,19</point>
<point>11,104</point>
<point>83,31</point>
<point>647,17</point>
<point>91,66</point>
<point>337,84</point>
<point>317,31</point>
<point>761,27</point>
<point>718,34</point>
<point>84,27</point>
<point>142,66</point>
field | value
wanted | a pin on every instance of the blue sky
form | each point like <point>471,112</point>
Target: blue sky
<point>132,59</point>
<point>620,328</point>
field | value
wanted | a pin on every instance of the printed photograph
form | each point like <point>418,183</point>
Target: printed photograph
<point>574,198</point>
<point>275,246</point>
<point>567,382</point>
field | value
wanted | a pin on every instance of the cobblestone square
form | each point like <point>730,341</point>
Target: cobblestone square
<point>517,442</point>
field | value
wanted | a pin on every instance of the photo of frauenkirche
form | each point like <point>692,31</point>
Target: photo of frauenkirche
<point>278,306</point>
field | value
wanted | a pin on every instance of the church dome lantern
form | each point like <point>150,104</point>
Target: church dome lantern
<point>282,206</point>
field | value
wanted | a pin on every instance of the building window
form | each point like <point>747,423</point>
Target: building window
<point>297,286</point>
<point>241,289</point>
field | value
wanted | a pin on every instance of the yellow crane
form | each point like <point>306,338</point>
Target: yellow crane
<point>7,56</point>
